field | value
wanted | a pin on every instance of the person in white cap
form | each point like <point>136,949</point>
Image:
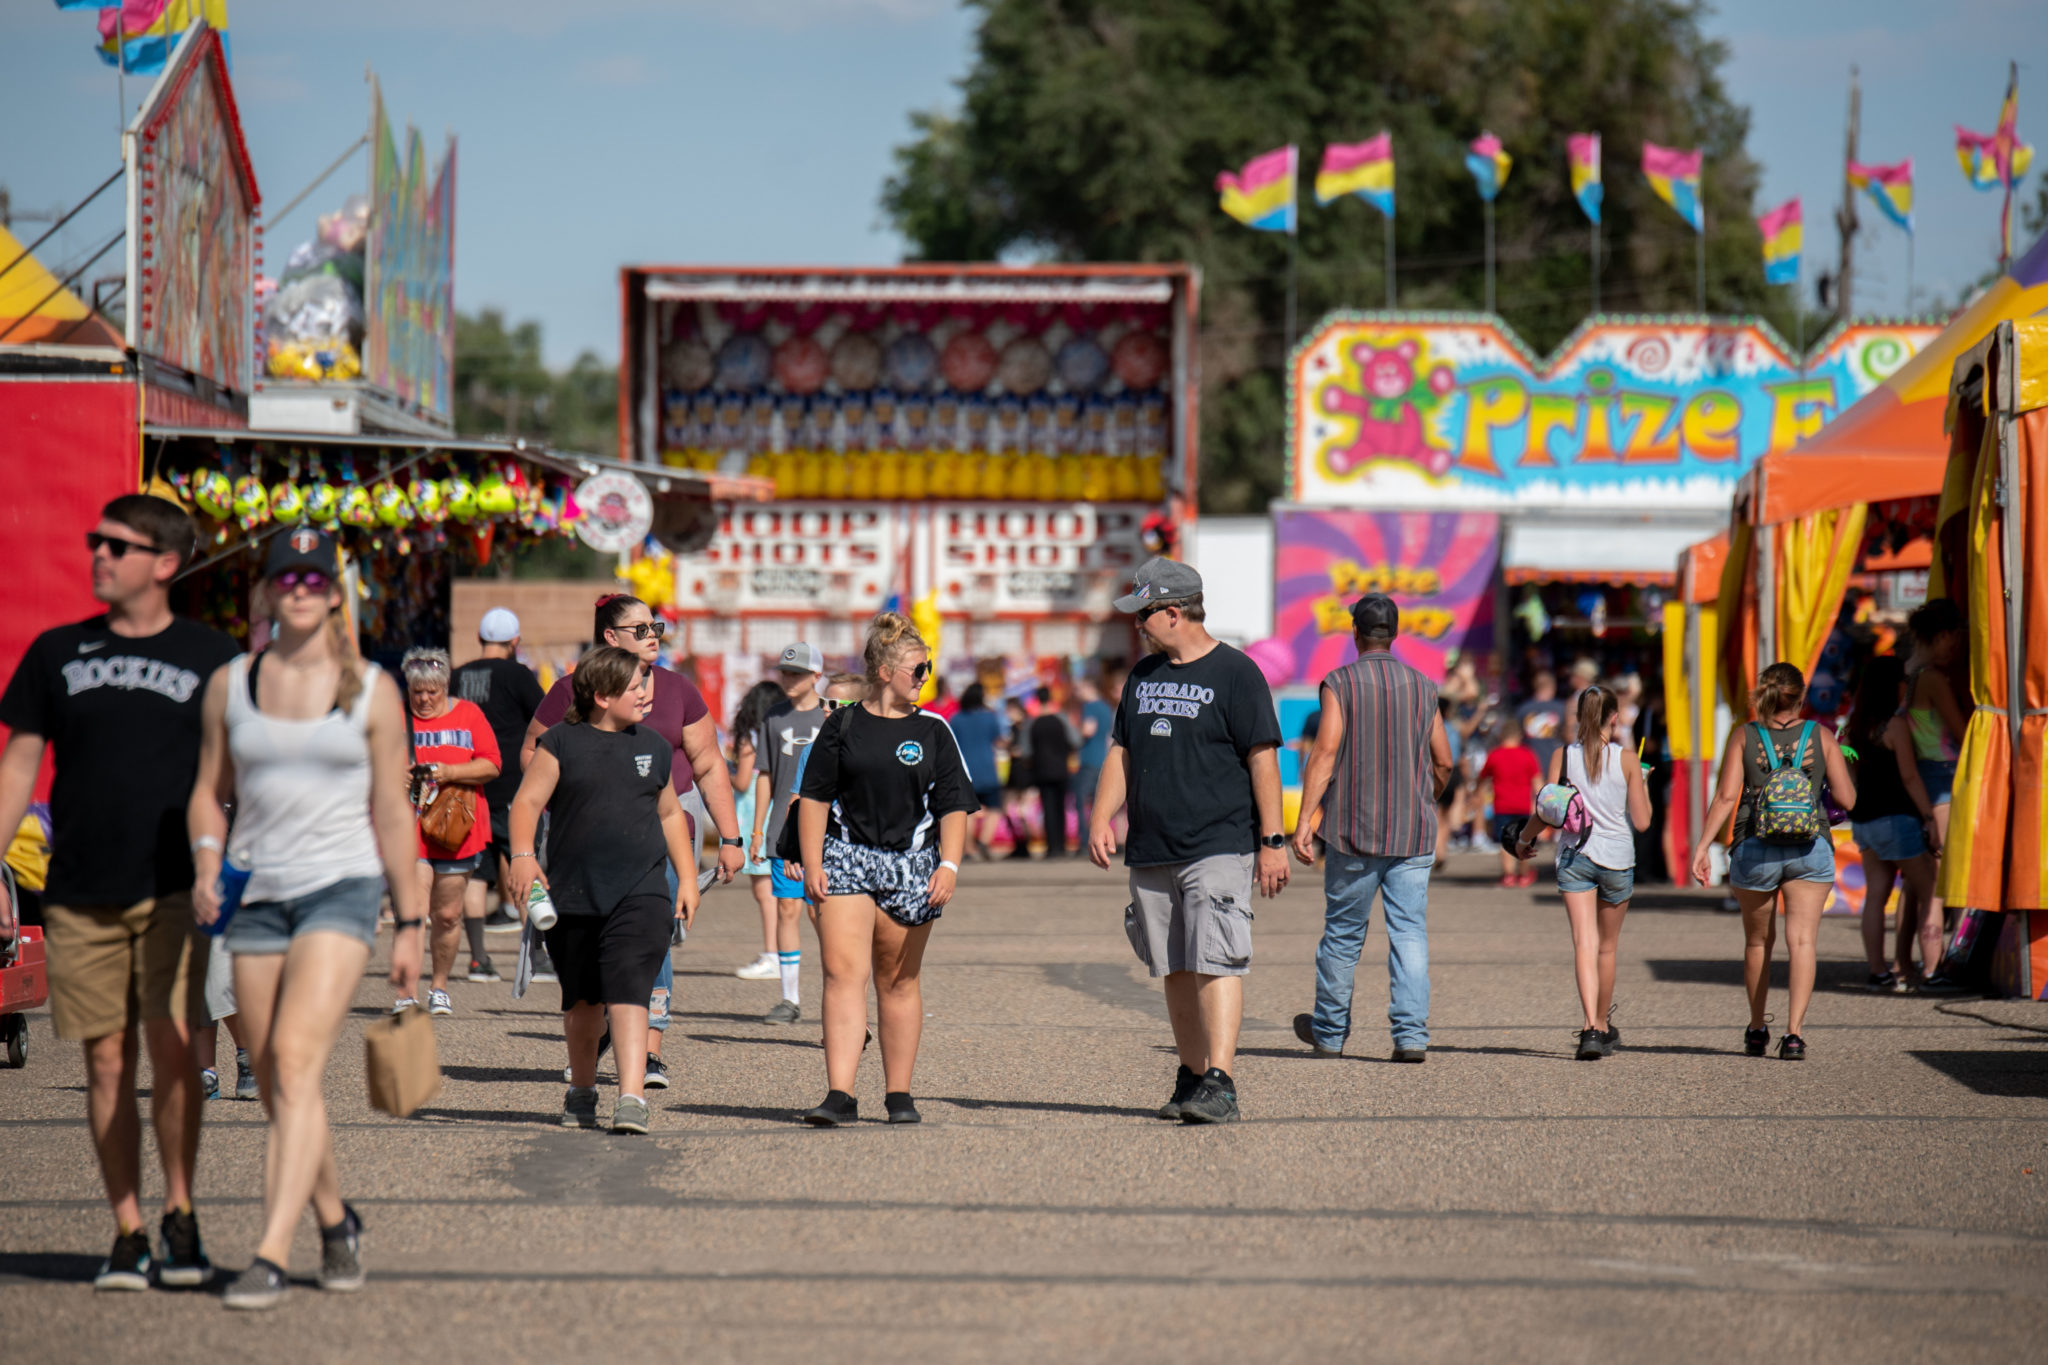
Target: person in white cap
<point>786,732</point>
<point>508,694</point>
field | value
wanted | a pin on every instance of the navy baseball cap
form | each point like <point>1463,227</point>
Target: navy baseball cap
<point>302,547</point>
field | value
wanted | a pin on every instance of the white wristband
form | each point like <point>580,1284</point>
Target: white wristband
<point>206,841</point>
<point>950,866</point>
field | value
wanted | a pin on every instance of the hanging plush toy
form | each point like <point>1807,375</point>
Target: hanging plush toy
<point>495,497</point>
<point>458,495</point>
<point>427,501</point>
<point>287,502</point>
<point>252,504</point>
<point>356,507</point>
<point>391,505</point>
<point>213,494</point>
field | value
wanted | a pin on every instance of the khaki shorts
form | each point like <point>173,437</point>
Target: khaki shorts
<point>1193,917</point>
<point>111,966</point>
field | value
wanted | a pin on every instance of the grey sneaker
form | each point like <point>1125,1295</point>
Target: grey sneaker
<point>245,1076</point>
<point>785,1012</point>
<point>1184,1085</point>
<point>260,1286</point>
<point>401,1005</point>
<point>579,1108</point>
<point>629,1115</point>
<point>209,1083</point>
<point>439,1005</point>
<point>341,1254</point>
<point>1214,1100</point>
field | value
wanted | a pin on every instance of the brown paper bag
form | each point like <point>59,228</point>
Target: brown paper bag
<point>403,1064</point>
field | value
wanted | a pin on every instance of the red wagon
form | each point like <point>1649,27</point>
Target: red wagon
<point>24,982</point>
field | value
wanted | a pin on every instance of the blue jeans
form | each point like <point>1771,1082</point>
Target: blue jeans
<point>1350,881</point>
<point>665,979</point>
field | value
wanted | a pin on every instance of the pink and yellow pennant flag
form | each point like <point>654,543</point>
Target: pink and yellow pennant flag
<point>1365,169</point>
<point>1583,151</point>
<point>138,35</point>
<point>1674,176</point>
<point>1261,195</point>
<point>1784,230</point>
<point>1489,163</point>
<point>1889,187</point>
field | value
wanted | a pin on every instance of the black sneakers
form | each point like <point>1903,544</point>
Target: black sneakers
<point>1791,1048</point>
<point>839,1108</point>
<point>1214,1100</point>
<point>1756,1041</point>
<point>1184,1083</point>
<point>1613,1034</point>
<point>657,1079</point>
<point>1592,1045</point>
<point>184,1262</point>
<point>127,1265</point>
<point>902,1109</point>
<point>1304,1029</point>
<point>481,969</point>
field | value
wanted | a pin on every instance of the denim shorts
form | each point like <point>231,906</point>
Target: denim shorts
<point>1894,838</point>
<point>1938,775</point>
<point>1754,865</point>
<point>458,867</point>
<point>1576,872</point>
<point>346,907</point>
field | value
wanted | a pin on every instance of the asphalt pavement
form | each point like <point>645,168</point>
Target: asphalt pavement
<point>1886,1199</point>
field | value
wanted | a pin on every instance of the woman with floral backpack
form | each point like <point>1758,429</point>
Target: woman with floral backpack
<point>1770,781</point>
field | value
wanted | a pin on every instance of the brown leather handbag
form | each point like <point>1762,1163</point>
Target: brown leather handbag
<point>447,819</point>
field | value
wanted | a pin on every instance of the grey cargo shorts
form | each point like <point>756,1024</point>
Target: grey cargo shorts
<point>1194,916</point>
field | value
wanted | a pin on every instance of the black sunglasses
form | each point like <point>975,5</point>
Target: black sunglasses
<point>1145,613</point>
<point>118,548</point>
<point>644,629</point>
<point>921,672</point>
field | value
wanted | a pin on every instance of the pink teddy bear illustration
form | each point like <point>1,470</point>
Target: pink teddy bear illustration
<point>1389,413</point>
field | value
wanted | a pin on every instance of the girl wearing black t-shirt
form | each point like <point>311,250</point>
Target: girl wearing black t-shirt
<point>615,826</point>
<point>881,780</point>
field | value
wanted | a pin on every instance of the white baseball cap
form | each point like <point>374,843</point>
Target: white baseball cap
<point>801,657</point>
<point>499,627</point>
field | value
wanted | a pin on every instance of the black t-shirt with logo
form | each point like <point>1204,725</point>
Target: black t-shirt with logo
<point>121,717</point>
<point>890,781</point>
<point>604,819</point>
<point>508,694</point>
<point>1188,729</point>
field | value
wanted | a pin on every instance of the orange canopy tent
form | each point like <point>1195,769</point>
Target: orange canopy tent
<point>1994,559</point>
<point>1799,515</point>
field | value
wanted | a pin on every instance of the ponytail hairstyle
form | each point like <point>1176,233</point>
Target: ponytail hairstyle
<point>606,671</point>
<point>1877,699</point>
<point>890,637</point>
<point>1597,708</point>
<point>611,609</point>
<point>753,709</point>
<point>1778,689</point>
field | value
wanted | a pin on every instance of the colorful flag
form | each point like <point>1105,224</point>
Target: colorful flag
<point>1584,151</point>
<point>149,29</point>
<point>1784,229</point>
<point>1365,169</point>
<point>1262,194</point>
<point>1489,165</point>
<point>1996,160</point>
<point>1675,176</point>
<point>1889,187</point>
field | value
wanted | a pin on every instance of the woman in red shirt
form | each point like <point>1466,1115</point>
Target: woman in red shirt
<point>452,746</point>
<point>1511,769</point>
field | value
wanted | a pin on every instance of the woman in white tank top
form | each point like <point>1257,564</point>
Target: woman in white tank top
<point>310,745</point>
<point>1598,877</point>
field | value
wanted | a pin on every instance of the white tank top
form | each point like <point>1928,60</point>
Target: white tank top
<point>1612,842</point>
<point>302,794</point>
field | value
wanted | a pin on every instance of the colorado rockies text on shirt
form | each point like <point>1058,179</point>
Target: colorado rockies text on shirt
<point>127,672</point>
<point>1173,699</point>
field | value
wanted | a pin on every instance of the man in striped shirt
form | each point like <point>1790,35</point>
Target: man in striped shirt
<point>1382,758</point>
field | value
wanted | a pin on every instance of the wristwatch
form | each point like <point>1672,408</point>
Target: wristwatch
<point>1273,841</point>
<point>731,843</point>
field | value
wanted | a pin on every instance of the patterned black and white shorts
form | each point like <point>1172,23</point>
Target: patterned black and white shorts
<point>898,882</point>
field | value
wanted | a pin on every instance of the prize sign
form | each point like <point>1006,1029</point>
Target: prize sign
<point>798,558</point>
<point>617,512</point>
<point>1454,411</point>
<point>994,559</point>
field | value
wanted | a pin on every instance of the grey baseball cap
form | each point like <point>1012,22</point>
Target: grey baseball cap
<point>801,658</point>
<point>1376,614</point>
<point>1160,582</point>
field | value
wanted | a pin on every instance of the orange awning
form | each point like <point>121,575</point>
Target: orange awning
<point>1699,569</point>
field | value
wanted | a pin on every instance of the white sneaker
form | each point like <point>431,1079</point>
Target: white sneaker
<point>766,967</point>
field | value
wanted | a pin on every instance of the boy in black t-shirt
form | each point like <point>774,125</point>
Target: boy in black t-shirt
<point>1195,751</point>
<point>116,699</point>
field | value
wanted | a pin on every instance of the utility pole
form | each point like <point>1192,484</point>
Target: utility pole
<point>1845,216</point>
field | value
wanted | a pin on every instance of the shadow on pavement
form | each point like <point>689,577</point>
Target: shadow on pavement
<point>1043,1107</point>
<point>2017,1074</point>
<point>1704,971</point>
<point>811,1043</point>
<point>501,1073</point>
<point>769,1113</point>
<point>550,1118</point>
<point>62,1267</point>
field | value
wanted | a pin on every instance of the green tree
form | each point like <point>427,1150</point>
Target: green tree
<point>504,388</point>
<point>1094,129</point>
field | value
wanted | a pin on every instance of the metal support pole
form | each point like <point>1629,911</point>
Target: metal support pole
<point>1389,218</point>
<point>1766,597</point>
<point>1489,256</point>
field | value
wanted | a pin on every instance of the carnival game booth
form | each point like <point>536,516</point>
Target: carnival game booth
<point>1993,557</point>
<point>1595,468</point>
<point>997,446</point>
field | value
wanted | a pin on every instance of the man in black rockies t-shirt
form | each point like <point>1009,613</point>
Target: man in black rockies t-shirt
<point>116,699</point>
<point>1195,750</point>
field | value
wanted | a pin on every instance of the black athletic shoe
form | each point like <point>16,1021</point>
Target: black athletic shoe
<point>480,969</point>
<point>657,1079</point>
<point>127,1265</point>
<point>1184,1083</point>
<point>1411,1054</point>
<point>1885,982</point>
<point>184,1262</point>
<point>262,1285</point>
<point>341,1254</point>
<point>1214,1100</point>
<point>1791,1048</point>
<point>1612,1034</point>
<point>1304,1029</point>
<point>902,1109</point>
<point>501,920</point>
<point>1756,1041</point>
<point>839,1108</point>
<point>1592,1045</point>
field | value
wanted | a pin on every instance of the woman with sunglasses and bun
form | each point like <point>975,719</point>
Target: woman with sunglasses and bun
<point>309,743</point>
<point>881,818</point>
<point>679,715</point>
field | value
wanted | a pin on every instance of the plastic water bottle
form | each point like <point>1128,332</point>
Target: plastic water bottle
<point>540,910</point>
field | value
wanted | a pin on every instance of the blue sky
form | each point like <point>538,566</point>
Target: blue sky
<point>599,132</point>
